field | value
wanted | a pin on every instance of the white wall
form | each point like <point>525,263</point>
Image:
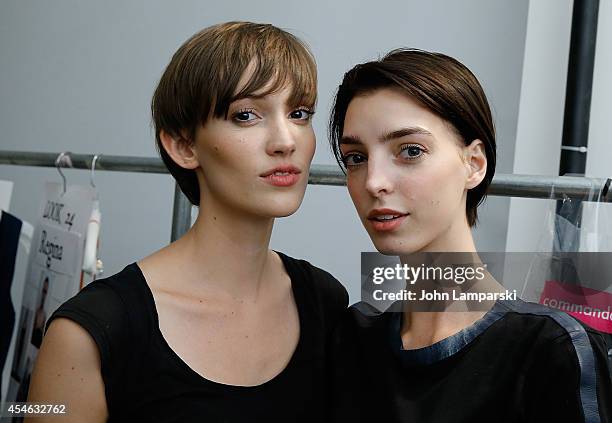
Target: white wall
<point>540,120</point>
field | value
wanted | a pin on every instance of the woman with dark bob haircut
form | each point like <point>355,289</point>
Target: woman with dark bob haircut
<point>415,135</point>
<point>215,327</point>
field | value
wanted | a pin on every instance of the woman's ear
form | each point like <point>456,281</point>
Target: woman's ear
<point>180,150</point>
<point>476,159</point>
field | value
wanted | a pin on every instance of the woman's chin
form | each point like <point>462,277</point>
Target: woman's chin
<point>284,209</point>
<point>394,247</point>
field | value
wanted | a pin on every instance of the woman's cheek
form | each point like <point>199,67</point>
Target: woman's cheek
<point>312,144</point>
<point>353,188</point>
<point>414,190</point>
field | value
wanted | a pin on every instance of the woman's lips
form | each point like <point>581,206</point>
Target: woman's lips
<point>282,176</point>
<point>385,220</point>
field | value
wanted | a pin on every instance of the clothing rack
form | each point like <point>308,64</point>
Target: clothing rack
<point>509,185</point>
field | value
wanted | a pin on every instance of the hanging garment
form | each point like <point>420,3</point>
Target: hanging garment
<point>10,229</point>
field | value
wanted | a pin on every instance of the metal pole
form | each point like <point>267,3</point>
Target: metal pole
<point>83,161</point>
<point>578,112</point>
<point>579,87</point>
<point>578,92</point>
<point>548,187</point>
<point>181,214</point>
<point>326,175</point>
<point>528,186</point>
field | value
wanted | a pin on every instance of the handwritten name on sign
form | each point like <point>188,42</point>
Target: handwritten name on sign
<point>52,250</point>
<point>53,212</point>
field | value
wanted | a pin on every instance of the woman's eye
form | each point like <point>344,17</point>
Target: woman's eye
<point>301,114</point>
<point>353,159</point>
<point>411,152</point>
<point>244,116</point>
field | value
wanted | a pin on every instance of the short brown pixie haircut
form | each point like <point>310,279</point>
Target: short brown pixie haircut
<point>201,81</point>
<point>439,83</point>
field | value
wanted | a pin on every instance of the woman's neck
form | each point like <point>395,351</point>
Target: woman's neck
<point>224,251</point>
<point>456,238</point>
<point>424,328</point>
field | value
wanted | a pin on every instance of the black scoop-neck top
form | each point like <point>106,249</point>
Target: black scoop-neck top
<point>145,380</point>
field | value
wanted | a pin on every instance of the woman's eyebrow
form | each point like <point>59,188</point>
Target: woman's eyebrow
<point>349,139</point>
<point>388,136</point>
<point>403,132</point>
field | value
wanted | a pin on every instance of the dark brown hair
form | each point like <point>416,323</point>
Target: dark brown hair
<point>439,83</point>
<point>202,78</point>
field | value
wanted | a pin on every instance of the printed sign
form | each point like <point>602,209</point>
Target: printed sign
<point>590,306</point>
<point>54,274</point>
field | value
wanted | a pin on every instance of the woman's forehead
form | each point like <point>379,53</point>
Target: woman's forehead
<point>386,111</point>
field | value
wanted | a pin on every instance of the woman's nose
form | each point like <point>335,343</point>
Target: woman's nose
<point>378,181</point>
<point>281,140</point>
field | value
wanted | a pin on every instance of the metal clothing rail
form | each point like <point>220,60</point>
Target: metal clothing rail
<point>509,185</point>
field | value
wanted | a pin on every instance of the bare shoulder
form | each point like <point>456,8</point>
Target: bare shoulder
<point>67,371</point>
<point>160,265</point>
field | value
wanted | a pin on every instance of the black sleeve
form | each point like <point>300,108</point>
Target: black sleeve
<point>563,386</point>
<point>101,312</point>
<point>604,380</point>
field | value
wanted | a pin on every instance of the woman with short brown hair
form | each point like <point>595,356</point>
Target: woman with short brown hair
<point>415,134</point>
<point>215,326</point>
